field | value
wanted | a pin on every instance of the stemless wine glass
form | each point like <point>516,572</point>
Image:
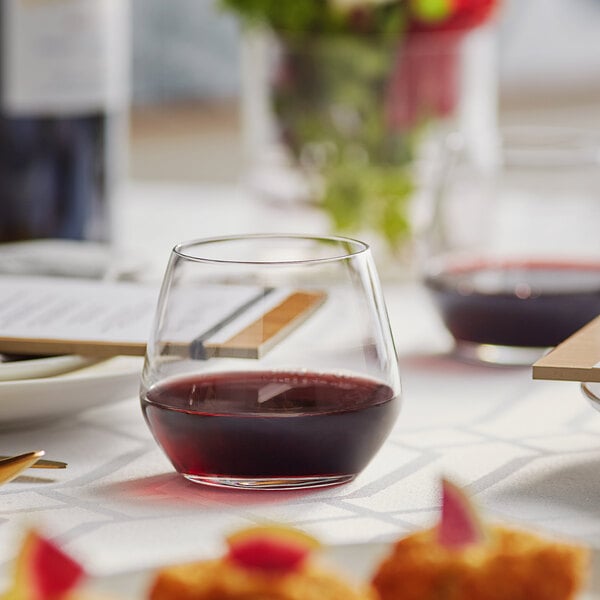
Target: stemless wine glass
<point>271,363</point>
<point>513,256</point>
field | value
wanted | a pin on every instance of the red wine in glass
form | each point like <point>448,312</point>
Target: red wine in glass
<point>270,424</point>
<point>517,302</point>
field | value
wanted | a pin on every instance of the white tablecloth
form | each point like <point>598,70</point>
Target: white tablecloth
<point>527,450</point>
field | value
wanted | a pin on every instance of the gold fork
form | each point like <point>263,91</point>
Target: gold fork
<point>13,466</point>
<point>43,464</point>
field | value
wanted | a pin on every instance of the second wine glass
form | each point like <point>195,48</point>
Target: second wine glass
<point>271,363</point>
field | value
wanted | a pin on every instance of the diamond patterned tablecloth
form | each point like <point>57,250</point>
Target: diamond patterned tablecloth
<point>529,452</point>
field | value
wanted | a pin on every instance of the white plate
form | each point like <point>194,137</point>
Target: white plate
<point>69,258</point>
<point>29,401</point>
<point>357,561</point>
<point>48,366</point>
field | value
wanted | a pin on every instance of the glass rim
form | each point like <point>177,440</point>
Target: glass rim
<point>535,145</point>
<point>359,246</point>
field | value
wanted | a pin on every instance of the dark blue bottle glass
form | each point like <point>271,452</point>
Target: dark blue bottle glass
<point>59,120</point>
<point>54,178</point>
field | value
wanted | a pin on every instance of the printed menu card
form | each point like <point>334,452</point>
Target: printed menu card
<point>98,318</point>
<point>575,359</point>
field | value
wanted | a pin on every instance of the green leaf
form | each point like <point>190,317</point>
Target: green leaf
<point>431,11</point>
<point>309,17</point>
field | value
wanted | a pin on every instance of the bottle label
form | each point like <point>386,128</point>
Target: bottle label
<point>64,56</point>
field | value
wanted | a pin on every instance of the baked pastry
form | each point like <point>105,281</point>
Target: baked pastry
<point>460,559</point>
<point>263,563</point>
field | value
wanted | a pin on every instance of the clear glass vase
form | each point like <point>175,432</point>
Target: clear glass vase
<point>349,123</point>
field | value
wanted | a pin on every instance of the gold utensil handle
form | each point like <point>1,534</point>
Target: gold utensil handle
<point>44,464</point>
<point>13,466</point>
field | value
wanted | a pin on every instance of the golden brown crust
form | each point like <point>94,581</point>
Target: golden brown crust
<point>221,580</point>
<point>511,564</point>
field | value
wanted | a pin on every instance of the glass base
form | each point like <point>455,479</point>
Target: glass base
<point>491,354</point>
<point>268,483</point>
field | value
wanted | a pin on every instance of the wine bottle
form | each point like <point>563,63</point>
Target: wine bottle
<point>63,98</point>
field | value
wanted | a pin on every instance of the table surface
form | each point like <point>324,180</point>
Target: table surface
<point>528,451</point>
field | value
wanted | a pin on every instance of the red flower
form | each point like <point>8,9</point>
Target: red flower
<point>425,82</point>
<point>459,15</point>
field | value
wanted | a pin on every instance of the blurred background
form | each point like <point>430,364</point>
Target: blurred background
<point>95,93</point>
<point>186,86</point>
